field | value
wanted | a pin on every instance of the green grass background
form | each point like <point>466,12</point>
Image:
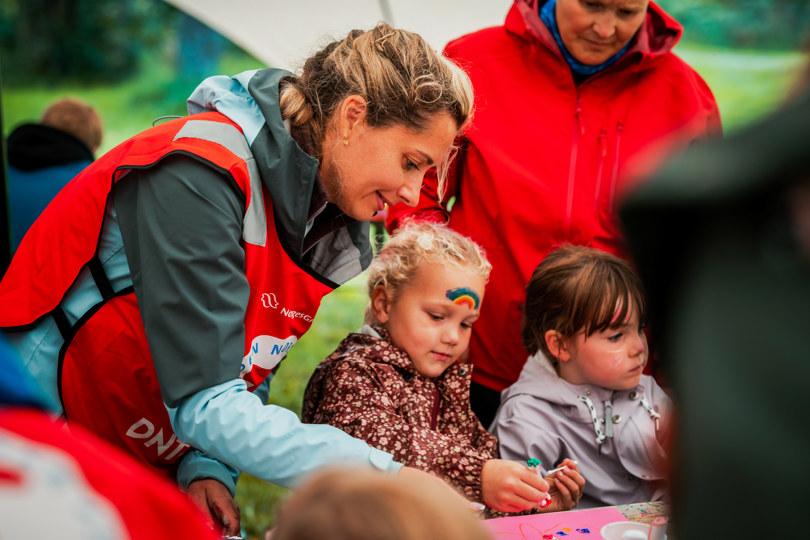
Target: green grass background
<point>747,85</point>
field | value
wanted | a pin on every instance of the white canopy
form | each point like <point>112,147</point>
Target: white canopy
<point>283,33</point>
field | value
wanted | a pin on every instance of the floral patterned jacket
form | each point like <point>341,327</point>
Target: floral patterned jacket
<point>369,388</point>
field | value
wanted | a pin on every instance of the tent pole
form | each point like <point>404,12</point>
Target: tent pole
<point>5,216</point>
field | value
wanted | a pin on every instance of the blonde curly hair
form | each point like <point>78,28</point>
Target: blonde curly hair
<point>416,244</point>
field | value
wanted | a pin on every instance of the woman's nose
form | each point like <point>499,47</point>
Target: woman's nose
<point>604,25</point>
<point>410,189</point>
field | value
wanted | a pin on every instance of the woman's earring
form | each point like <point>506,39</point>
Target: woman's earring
<point>345,141</point>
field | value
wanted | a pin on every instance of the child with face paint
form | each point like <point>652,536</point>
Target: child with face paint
<point>399,385</point>
<point>581,393</point>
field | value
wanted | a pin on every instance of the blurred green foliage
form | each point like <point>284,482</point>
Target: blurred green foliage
<point>87,40</point>
<point>746,83</point>
<point>126,108</point>
<point>750,62</point>
<point>743,24</point>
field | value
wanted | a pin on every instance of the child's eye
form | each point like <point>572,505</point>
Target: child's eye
<point>615,337</point>
<point>466,325</point>
<point>410,165</point>
<point>435,316</point>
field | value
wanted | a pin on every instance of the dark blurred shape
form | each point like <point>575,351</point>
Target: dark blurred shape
<point>5,219</point>
<point>722,240</point>
<point>44,156</point>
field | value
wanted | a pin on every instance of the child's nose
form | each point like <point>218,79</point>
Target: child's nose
<point>638,345</point>
<point>451,334</point>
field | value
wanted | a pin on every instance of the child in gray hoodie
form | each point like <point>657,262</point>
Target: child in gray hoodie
<point>581,393</point>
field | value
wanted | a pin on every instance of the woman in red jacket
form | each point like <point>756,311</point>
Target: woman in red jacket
<point>569,94</point>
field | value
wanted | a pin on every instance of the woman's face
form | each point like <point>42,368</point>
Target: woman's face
<point>595,30</point>
<point>365,169</point>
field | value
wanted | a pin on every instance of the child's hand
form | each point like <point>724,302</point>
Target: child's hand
<point>509,486</point>
<point>565,487</point>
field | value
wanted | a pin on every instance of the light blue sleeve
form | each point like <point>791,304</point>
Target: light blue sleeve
<point>266,441</point>
<point>196,465</point>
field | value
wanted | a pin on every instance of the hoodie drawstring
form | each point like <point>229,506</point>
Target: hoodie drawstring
<point>600,435</point>
<point>654,415</point>
<point>608,418</point>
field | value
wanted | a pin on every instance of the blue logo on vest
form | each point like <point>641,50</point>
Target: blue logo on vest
<point>266,352</point>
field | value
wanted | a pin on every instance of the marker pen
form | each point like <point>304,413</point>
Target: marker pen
<point>552,471</point>
<point>534,464</point>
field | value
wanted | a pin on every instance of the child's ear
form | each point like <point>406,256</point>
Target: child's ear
<point>557,346</point>
<point>380,304</point>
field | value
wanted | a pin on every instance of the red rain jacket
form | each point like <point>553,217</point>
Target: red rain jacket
<point>545,161</point>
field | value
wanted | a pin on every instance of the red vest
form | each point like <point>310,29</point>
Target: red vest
<point>107,377</point>
<point>100,493</point>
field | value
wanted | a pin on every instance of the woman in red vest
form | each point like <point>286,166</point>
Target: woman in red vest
<point>157,293</point>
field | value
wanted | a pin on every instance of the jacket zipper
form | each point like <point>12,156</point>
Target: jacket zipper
<point>572,167</point>
<point>600,169</point>
<point>615,175</point>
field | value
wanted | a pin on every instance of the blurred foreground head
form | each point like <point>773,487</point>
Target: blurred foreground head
<point>76,117</point>
<point>370,505</point>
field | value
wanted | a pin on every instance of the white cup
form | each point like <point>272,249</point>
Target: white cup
<point>626,530</point>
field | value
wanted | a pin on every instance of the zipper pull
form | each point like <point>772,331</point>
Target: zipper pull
<point>578,113</point>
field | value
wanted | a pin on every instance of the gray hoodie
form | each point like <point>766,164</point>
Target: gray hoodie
<point>623,460</point>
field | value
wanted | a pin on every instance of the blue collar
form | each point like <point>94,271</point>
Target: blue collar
<point>549,17</point>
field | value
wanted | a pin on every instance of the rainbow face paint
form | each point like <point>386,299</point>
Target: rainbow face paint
<point>464,296</point>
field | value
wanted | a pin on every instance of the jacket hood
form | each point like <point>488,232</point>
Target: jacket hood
<point>539,379</point>
<point>658,33</point>
<point>251,99</point>
<point>32,147</point>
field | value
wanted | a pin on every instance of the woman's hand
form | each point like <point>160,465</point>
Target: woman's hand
<point>566,487</point>
<point>215,501</point>
<point>508,486</point>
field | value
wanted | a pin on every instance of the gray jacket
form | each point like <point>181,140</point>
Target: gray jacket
<point>623,460</point>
